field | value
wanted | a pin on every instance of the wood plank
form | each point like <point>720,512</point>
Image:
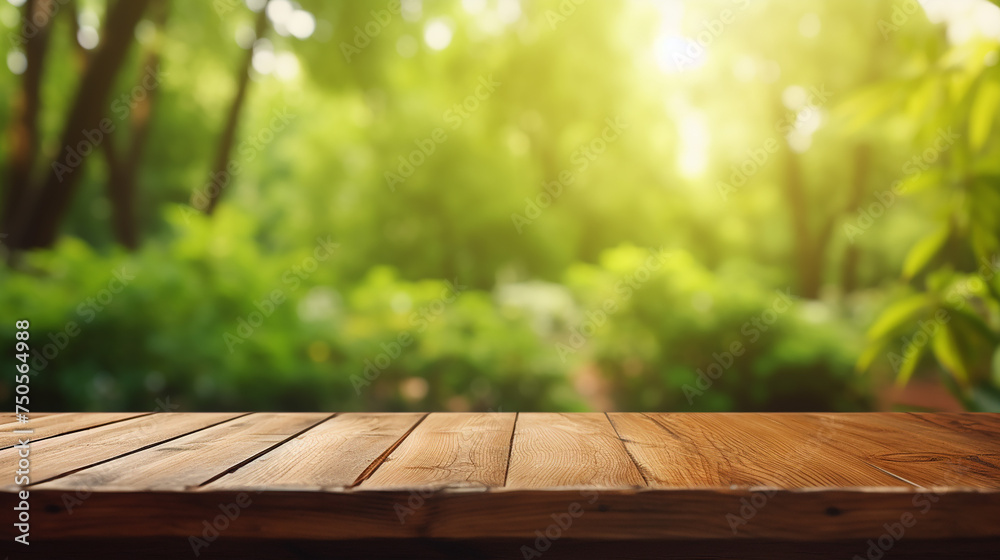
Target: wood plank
<point>56,456</point>
<point>622,515</point>
<point>690,450</point>
<point>973,434</point>
<point>973,445</point>
<point>449,450</point>
<point>911,452</point>
<point>569,450</point>
<point>578,469</point>
<point>330,456</point>
<point>190,460</point>
<point>46,425</point>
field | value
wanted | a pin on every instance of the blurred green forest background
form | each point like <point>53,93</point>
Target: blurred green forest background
<point>502,204</point>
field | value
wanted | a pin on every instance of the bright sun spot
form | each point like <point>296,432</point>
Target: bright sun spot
<point>279,10</point>
<point>286,66</point>
<point>87,37</point>
<point>301,24</point>
<point>692,158</point>
<point>437,34</point>
<point>245,36</point>
<point>17,62</point>
<point>965,19</point>
<point>263,62</point>
<point>407,46</point>
<point>676,54</point>
<point>411,9</point>
<point>474,6</point>
<point>508,10</point>
<point>290,20</point>
<point>263,56</point>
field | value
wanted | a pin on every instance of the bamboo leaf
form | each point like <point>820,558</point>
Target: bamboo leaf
<point>984,242</point>
<point>925,250</point>
<point>983,113</point>
<point>948,354</point>
<point>909,365</point>
<point>873,103</point>
<point>897,315</point>
<point>868,356</point>
<point>931,178</point>
<point>976,322</point>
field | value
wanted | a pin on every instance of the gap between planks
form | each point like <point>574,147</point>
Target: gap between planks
<point>143,448</point>
<point>510,448</point>
<point>126,419</point>
<point>370,470</point>
<point>249,460</point>
<point>638,467</point>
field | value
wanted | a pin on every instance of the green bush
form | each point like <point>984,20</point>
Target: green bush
<point>205,323</point>
<point>672,344</point>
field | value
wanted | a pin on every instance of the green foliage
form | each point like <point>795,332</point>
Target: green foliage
<point>954,270</point>
<point>184,328</point>
<point>925,250</point>
<point>170,332</point>
<point>684,322</point>
<point>484,274</point>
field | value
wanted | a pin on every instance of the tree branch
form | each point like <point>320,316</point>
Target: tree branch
<point>232,119</point>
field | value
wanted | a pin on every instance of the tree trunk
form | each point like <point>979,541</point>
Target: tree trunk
<point>219,168</point>
<point>121,194</point>
<point>41,213</point>
<point>27,103</point>
<point>123,174</point>
<point>852,254</point>
<point>81,54</point>
<point>809,256</point>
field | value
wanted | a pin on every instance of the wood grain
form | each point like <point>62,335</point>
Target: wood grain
<point>906,449</point>
<point>449,450</point>
<point>569,450</point>
<point>53,424</point>
<point>60,455</point>
<point>745,450</point>
<point>193,459</point>
<point>961,433</point>
<point>330,456</point>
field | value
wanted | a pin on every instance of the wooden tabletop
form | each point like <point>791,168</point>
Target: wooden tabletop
<point>621,476</point>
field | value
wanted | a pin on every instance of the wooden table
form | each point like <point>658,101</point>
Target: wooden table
<point>527,485</point>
